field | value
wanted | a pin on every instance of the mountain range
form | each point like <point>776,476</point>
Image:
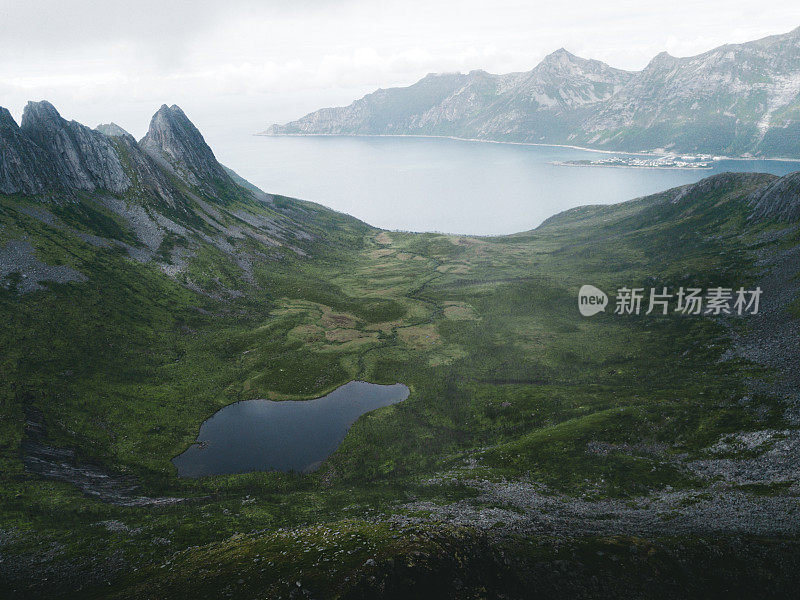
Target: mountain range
<point>735,100</point>
<point>166,198</point>
<point>46,154</point>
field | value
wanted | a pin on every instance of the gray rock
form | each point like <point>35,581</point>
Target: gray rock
<point>147,176</point>
<point>175,143</point>
<point>112,130</point>
<point>48,154</point>
<point>83,159</point>
<point>24,167</point>
<point>18,257</point>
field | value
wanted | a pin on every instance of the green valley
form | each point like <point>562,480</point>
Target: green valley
<point>608,456</point>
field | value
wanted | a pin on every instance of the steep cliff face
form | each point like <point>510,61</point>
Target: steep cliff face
<point>24,167</point>
<point>144,172</point>
<point>97,190</point>
<point>49,155</point>
<point>175,143</point>
<point>83,159</point>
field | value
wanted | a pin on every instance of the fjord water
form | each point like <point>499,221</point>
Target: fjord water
<point>262,435</point>
<point>451,186</point>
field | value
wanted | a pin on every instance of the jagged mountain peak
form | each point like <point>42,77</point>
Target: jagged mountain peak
<point>178,145</point>
<point>35,110</point>
<point>558,56</point>
<point>83,159</point>
<point>24,167</point>
<point>112,130</point>
<point>49,155</point>
<point>6,120</point>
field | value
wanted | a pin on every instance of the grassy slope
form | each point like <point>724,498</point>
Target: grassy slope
<point>502,368</point>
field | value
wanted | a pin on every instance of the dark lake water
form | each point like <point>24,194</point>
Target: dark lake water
<point>453,186</point>
<point>292,435</point>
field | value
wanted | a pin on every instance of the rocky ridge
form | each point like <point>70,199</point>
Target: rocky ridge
<point>83,159</point>
<point>24,167</point>
<point>779,200</point>
<point>481,103</point>
<point>48,154</point>
<point>168,191</point>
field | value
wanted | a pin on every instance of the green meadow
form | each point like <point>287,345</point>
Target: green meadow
<point>505,376</point>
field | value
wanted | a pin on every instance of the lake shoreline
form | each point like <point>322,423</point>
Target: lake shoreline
<point>430,185</point>
<point>538,144</point>
<point>282,435</point>
<point>651,167</point>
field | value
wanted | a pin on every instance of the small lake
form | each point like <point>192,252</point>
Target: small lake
<point>452,186</point>
<point>292,435</point>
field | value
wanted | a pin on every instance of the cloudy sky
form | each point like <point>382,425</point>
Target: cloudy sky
<point>240,65</point>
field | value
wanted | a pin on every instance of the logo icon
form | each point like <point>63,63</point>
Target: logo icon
<point>591,300</point>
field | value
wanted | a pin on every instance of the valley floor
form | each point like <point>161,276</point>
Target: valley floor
<point>540,454</point>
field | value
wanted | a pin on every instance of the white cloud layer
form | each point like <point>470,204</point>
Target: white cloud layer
<point>241,64</point>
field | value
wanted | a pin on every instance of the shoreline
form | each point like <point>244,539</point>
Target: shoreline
<point>482,141</point>
<point>651,167</point>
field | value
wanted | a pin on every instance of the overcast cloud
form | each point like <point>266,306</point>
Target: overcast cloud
<point>239,65</point>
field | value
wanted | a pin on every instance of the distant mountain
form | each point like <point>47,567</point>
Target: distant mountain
<point>737,99</point>
<point>539,104</point>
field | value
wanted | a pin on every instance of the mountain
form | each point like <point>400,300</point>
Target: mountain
<point>734,100</point>
<point>175,143</point>
<point>165,200</point>
<point>144,287</point>
<point>539,103</point>
<point>24,167</point>
<point>539,449</point>
<point>83,159</point>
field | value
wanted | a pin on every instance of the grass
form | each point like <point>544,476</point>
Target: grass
<point>485,332</point>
